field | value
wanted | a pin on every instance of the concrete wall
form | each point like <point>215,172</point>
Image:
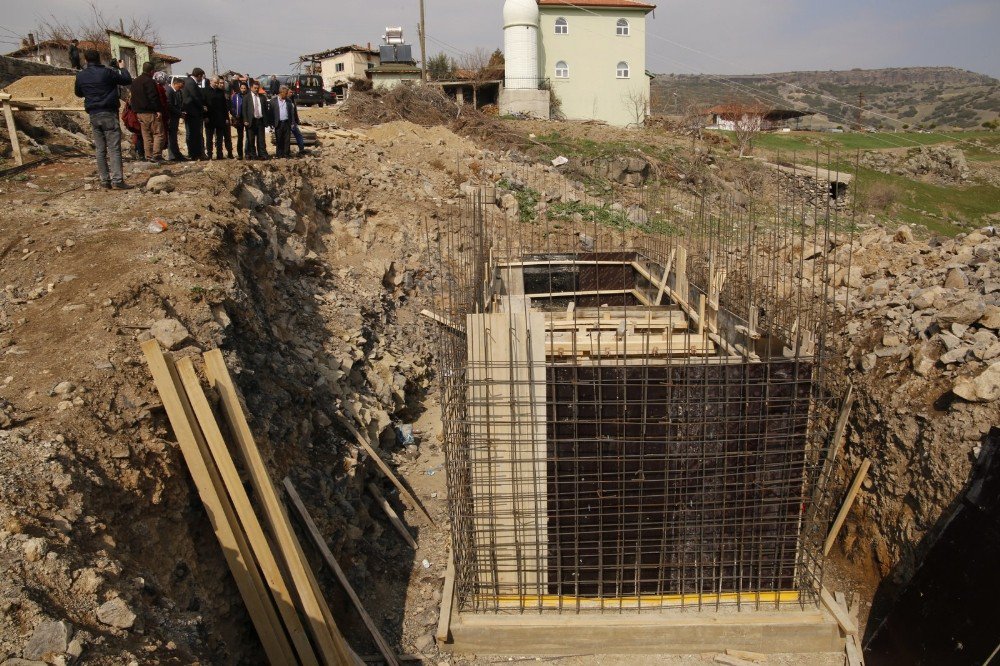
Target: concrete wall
<point>533,103</point>
<point>142,52</point>
<point>12,69</point>
<point>392,79</point>
<point>592,50</point>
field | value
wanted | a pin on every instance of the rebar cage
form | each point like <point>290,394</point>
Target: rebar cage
<point>635,414</point>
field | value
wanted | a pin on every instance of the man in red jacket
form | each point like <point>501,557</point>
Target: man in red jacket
<point>146,103</point>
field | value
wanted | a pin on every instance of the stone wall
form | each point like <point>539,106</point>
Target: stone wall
<point>12,69</point>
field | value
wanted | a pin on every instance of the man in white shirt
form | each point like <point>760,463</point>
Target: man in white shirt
<point>256,116</point>
<point>284,118</point>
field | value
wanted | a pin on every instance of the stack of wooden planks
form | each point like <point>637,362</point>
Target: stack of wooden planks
<point>280,591</point>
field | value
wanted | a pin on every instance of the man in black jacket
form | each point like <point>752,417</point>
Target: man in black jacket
<point>255,115</point>
<point>175,107</point>
<point>98,86</point>
<point>74,54</point>
<point>145,101</point>
<point>194,114</point>
<point>218,118</point>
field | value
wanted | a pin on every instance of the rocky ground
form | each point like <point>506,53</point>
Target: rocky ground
<point>310,275</point>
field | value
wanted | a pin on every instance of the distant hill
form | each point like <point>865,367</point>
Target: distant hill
<point>945,97</point>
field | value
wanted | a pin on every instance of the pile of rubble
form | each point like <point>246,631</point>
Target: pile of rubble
<point>941,164</point>
<point>922,345</point>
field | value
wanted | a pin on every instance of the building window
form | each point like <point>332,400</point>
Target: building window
<point>622,28</point>
<point>562,70</point>
<point>562,27</point>
<point>623,70</point>
<point>371,65</point>
<point>340,67</point>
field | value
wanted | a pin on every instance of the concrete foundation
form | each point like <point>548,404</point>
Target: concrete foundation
<point>533,103</point>
<point>770,632</point>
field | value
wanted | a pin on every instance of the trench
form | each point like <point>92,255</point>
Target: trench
<point>303,346</point>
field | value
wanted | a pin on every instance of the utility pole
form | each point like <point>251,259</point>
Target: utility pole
<point>215,55</point>
<point>861,107</point>
<point>423,44</point>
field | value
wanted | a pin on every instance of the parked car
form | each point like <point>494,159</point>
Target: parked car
<point>307,89</point>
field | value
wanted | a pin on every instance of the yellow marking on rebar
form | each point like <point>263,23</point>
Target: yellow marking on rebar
<point>556,601</point>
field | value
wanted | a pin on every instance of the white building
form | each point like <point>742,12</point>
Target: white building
<point>338,66</point>
<point>590,53</point>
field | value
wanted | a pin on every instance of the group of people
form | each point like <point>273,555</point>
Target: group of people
<point>156,105</point>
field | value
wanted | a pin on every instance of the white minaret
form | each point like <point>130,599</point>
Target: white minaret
<point>520,39</point>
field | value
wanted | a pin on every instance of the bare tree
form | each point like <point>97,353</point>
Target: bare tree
<point>748,122</point>
<point>636,103</point>
<point>95,28</point>
<point>480,66</point>
<point>693,121</point>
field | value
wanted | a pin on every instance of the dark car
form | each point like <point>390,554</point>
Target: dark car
<point>307,89</point>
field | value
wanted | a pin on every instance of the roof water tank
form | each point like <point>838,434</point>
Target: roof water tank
<point>520,37</point>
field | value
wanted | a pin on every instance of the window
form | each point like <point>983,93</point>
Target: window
<point>562,70</point>
<point>562,27</point>
<point>622,29</point>
<point>340,67</point>
<point>623,70</point>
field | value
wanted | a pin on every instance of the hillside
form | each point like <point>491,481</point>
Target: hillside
<point>920,97</point>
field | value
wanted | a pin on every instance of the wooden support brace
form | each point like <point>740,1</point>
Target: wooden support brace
<point>383,646</point>
<point>447,601</point>
<point>384,468</point>
<point>444,321</point>
<point>852,494</point>
<point>15,143</point>
<point>847,624</point>
<point>393,516</point>
<point>666,276</point>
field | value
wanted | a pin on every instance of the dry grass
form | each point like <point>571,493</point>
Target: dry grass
<point>428,106</point>
<point>880,196</point>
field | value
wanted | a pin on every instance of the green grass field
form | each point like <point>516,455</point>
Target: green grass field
<point>811,142</point>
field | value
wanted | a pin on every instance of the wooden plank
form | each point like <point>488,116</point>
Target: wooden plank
<point>385,469</point>
<point>847,624</point>
<point>855,655</point>
<point>730,660</point>
<point>579,294</point>
<point>331,645</point>
<point>383,646</point>
<point>666,276</point>
<point>244,510</point>
<point>507,434</point>
<point>15,143</point>
<point>220,512</point>
<point>841,427</point>
<point>852,494</point>
<point>447,600</point>
<point>393,516</point>
<point>444,321</point>
<point>756,657</point>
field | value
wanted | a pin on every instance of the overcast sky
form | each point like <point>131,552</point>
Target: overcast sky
<point>685,36</point>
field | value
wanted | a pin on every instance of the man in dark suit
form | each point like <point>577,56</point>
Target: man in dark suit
<point>256,116</point>
<point>175,107</point>
<point>98,86</point>
<point>236,115</point>
<point>283,116</point>
<point>74,54</point>
<point>194,114</point>
<point>218,118</point>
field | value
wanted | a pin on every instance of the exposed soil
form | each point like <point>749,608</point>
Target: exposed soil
<point>310,275</point>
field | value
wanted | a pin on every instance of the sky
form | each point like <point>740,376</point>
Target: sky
<point>685,36</point>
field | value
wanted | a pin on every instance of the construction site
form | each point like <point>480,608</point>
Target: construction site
<point>439,394</point>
